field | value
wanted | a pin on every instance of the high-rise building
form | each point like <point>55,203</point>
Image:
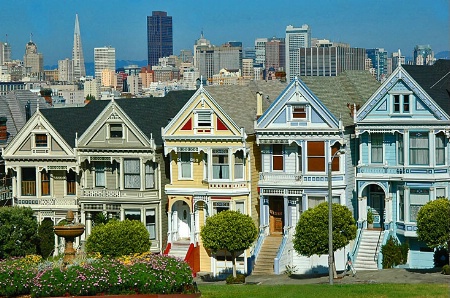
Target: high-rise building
<point>5,53</point>
<point>330,60</point>
<point>423,55</point>
<point>275,54</point>
<point>32,60</point>
<point>260,51</point>
<point>104,58</point>
<point>378,56</point>
<point>79,69</point>
<point>65,70</point>
<point>159,36</point>
<point>296,37</point>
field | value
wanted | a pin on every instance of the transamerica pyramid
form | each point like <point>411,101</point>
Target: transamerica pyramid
<point>77,53</point>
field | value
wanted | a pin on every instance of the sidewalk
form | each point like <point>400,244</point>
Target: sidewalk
<point>404,276</point>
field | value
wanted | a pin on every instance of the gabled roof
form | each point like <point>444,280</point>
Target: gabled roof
<point>239,102</point>
<point>434,80</point>
<point>149,114</point>
<point>349,87</point>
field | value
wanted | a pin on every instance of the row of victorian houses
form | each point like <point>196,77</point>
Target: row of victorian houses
<point>260,149</point>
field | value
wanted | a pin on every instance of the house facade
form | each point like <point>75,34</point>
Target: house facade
<point>307,129</point>
<point>403,135</point>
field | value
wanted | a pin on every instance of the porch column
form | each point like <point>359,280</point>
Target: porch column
<point>14,186</point>
<point>83,221</point>
<point>169,227</point>
<point>388,211</point>
<point>287,213</point>
<point>192,226</point>
<point>19,182</point>
<point>362,209</point>
<point>88,223</point>
<point>407,203</point>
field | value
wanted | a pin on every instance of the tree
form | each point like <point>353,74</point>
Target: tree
<point>230,231</point>
<point>311,232</point>
<point>18,232</point>
<point>46,238</point>
<point>433,223</point>
<point>118,238</point>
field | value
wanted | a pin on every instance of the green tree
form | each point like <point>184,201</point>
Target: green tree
<point>311,232</point>
<point>433,223</point>
<point>18,232</point>
<point>230,231</point>
<point>118,238</point>
<point>46,238</point>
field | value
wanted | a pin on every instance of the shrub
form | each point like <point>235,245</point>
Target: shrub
<point>118,238</point>
<point>46,238</point>
<point>16,275</point>
<point>370,216</point>
<point>440,257</point>
<point>239,279</point>
<point>446,270</point>
<point>394,253</point>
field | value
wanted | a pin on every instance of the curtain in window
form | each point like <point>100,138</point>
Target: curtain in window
<point>220,166</point>
<point>417,198</point>
<point>100,174</point>
<point>400,149</point>
<point>149,175</point>
<point>440,149</point>
<point>376,143</point>
<point>314,201</point>
<point>131,170</point>
<point>238,165</point>
<point>418,148</point>
<point>150,222</point>
<point>316,156</point>
<point>277,157</point>
<point>185,165</point>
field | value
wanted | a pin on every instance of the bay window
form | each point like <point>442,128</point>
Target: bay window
<point>277,157</point>
<point>400,149</point>
<point>220,164</point>
<point>100,178</point>
<point>418,148</point>
<point>131,173</point>
<point>417,198</point>
<point>45,183</point>
<point>71,182</point>
<point>440,149</point>
<point>149,175</point>
<point>316,156</point>
<point>376,145</point>
<point>185,160</point>
<point>150,222</point>
<point>239,165</point>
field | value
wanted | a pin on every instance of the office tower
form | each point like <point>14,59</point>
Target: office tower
<point>159,36</point>
<point>296,37</point>
<point>330,60</point>
<point>260,52</point>
<point>104,58</point>
<point>32,60</point>
<point>248,72</point>
<point>397,59</point>
<point>275,54</point>
<point>423,55</point>
<point>77,53</point>
<point>210,59</point>
<point>5,52</point>
<point>186,56</point>
<point>378,56</point>
<point>65,70</point>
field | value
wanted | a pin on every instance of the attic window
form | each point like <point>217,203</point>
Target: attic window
<point>204,119</point>
<point>298,112</point>
<point>41,140</point>
<point>115,131</point>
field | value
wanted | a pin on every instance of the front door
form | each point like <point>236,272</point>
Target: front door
<point>182,220</point>
<point>376,203</point>
<point>276,215</point>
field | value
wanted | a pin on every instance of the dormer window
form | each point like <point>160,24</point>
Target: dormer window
<point>115,131</point>
<point>40,140</point>
<point>204,119</point>
<point>298,113</point>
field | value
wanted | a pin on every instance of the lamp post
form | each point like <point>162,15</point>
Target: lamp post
<point>330,219</point>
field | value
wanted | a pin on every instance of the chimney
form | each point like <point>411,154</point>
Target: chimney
<point>3,133</point>
<point>259,108</point>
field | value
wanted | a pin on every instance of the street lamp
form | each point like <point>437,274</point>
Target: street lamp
<point>330,218</point>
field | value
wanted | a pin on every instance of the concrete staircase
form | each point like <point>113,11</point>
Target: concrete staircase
<point>367,251</point>
<point>179,249</point>
<point>265,261</point>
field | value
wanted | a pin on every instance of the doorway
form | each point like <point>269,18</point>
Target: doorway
<point>276,219</point>
<point>376,203</point>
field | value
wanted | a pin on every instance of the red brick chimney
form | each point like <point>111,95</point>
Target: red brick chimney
<point>3,133</point>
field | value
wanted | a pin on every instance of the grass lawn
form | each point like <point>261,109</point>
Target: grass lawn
<point>322,290</point>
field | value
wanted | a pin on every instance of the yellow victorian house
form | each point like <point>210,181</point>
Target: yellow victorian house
<point>212,151</point>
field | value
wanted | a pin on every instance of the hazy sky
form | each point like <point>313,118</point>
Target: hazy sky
<point>389,24</point>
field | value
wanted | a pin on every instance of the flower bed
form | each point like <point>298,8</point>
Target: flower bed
<point>139,274</point>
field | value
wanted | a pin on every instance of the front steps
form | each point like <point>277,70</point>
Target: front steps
<point>265,261</point>
<point>366,258</point>
<point>179,248</point>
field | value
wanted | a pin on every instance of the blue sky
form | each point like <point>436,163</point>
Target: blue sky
<point>389,24</point>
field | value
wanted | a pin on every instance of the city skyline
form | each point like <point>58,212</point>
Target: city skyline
<point>391,25</point>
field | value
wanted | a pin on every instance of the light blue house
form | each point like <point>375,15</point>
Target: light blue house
<point>403,132</point>
<point>298,135</point>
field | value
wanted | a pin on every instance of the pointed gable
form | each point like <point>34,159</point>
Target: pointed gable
<point>401,98</point>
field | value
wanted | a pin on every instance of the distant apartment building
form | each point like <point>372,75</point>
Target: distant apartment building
<point>91,88</point>
<point>186,56</point>
<point>159,36</point>
<point>260,51</point>
<point>165,73</point>
<point>190,77</point>
<point>378,58</point>
<point>296,38</point>
<point>146,76</point>
<point>65,70</point>
<point>134,84</point>
<point>227,77</point>
<point>51,75</point>
<point>5,53</point>
<point>104,58</point>
<point>109,78</point>
<point>423,55</point>
<point>210,59</point>
<point>330,60</point>
<point>397,59</point>
<point>32,60</point>
<point>275,54</point>
<point>248,72</point>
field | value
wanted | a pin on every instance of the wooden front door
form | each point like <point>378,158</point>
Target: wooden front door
<point>276,215</point>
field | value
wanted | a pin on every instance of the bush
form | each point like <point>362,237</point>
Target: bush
<point>16,275</point>
<point>239,279</point>
<point>46,238</point>
<point>394,253</point>
<point>119,238</point>
<point>440,257</point>
<point>446,270</point>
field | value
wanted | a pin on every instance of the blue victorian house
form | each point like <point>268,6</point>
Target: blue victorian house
<point>403,132</point>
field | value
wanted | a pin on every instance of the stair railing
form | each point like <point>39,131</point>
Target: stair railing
<point>375,256</point>
<point>255,252</point>
<point>355,249</point>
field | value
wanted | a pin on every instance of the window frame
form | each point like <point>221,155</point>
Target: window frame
<point>45,183</point>
<point>71,183</point>
<point>184,159</point>
<point>203,123</point>
<point>417,191</point>
<point>299,110</point>
<point>277,158</point>
<point>314,155</point>
<point>401,103</point>
<point>222,164</point>
<point>99,171</point>
<point>116,134</point>
<point>417,150</point>
<point>379,146</point>
<point>41,140</point>
<point>148,225</point>
<point>128,173</point>
<point>239,161</point>
<point>400,149</point>
<point>443,148</point>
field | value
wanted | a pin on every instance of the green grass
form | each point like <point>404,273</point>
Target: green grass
<point>348,290</point>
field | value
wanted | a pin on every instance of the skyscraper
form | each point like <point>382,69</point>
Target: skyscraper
<point>295,38</point>
<point>5,52</point>
<point>159,36</point>
<point>378,56</point>
<point>77,53</point>
<point>104,58</point>
<point>32,60</point>
<point>423,55</point>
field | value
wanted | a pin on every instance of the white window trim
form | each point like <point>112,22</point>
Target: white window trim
<point>402,95</point>
<point>191,158</point>
<point>108,131</point>
<point>383,153</point>
<point>291,113</point>
<point>197,127</point>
